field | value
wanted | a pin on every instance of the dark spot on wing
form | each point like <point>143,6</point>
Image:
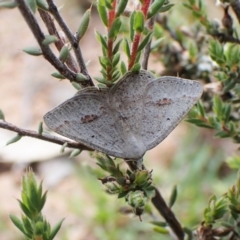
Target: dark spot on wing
<point>88,118</point>
<point>163,102</point>
<point>168,119</point>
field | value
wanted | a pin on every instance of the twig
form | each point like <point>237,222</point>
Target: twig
<point>162,20</point>
<point>223,38</point>
<point>236,8</point>
<point>44,136</point>
<point>162,207</point>
<point>74,43</point>
<point>38,34</point>
<point>47,19</point>
<point>167,214</point>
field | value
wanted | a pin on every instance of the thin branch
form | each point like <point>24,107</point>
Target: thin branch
<point>49,23</point>
<point>74,43</point>
<point>236,8</point>
<point>39,35</point>
<point>167,214</point>
<point>162,20</point>
<point>223,38</point>
<point>162,207</point>
<point>44,136</point>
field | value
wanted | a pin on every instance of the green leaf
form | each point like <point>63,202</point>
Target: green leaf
<point>173,196</point>
<point>42,4</point>
<point>116,59</point>
<point>136,67</point>
<point>7,4</point>
<point>138,57</point>
<point>115,76</point>
<point>108,4</point>
<point>113,32</point>
<point>64,53</point>
<point>80,77</point>
<point>234,162</point>
<point>144,42</point>
<point>229,85</point>
<point>123,68</point>
<point>103,14</point>
<point>33,196</point>
<point>14,139</point>
<point>131,27</point>
<point>75,153</point>
<point>122,194</point>
<point>58,75</point>
<point>218,106</point>
<point>2,117</point>
<point>121,7</point>
<point>166,7</point>
<point>199,123</point>
<point>126,48</point>
<point>187,6</point>
<point>49,39</point>
<point>34,51</point>
<point>27,225</point>
<point>138,24</point>
<point>160,224</point>
<point>63,147</point>
<point>56,229</point>
<point>116,47</point>
<point>40,128</point>
<point>101,39</point>
<point>84,24</point>
<point>25,209</point>
<point>226,112</point>
<point>105,62</point>
<point>76,85</point>
<point>161,230</point>
<point>32,5</point>
<point>42,201</point>
<point>38,229</point>
<point>222,134</point>
<point>17,222</point>
<point>155,8</point>
<point>156,44</point>
<point>39,191</point>
<point>201,109</point>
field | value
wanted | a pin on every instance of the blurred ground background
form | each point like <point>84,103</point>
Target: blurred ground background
<point>189,157</point>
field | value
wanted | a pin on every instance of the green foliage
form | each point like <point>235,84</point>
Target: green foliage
<point>2,117</point>
<point>155,7</point>
<point>32,224</point>
<point>136,187</point>
<point>35,51</point>
<point>8,4</point>
<point>42,4</point>
<point>49,39</point>
<point>84,24</point>
<point>14,139</point>
<point>64,53</point>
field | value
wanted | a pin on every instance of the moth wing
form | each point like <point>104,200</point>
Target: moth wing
<point>87,118</point>
<point>166,101</point>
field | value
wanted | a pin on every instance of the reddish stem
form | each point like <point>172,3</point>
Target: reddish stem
<point>145,7</point>
<point>137,37</point>
<point>112,14</point>
<point>135,44</point>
